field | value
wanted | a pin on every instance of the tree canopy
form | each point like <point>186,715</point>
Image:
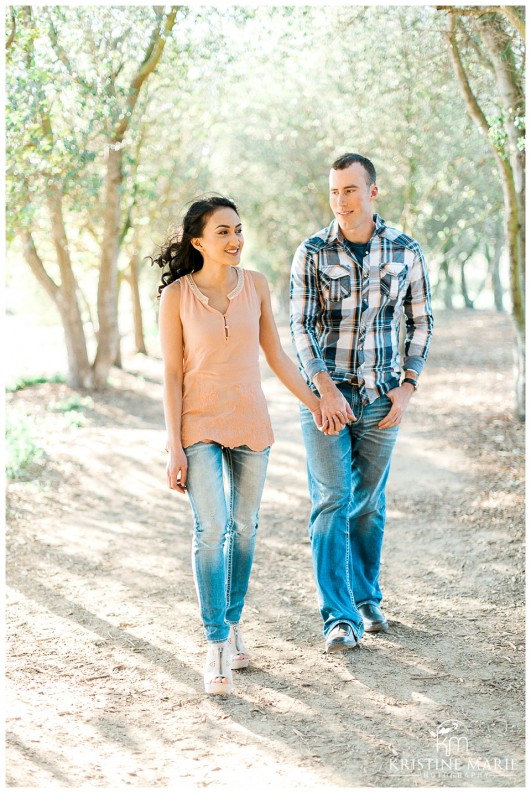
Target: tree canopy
<point>255,102</point>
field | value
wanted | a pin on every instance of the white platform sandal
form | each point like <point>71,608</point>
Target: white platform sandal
<point>218,674</point>
<point>239,657</point>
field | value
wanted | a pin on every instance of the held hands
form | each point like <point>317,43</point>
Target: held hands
<point>176,470</point>
<point>333,412</point>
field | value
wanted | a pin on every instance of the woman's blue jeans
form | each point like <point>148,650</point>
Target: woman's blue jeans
<point>225,489</point>
<point>347,474</point>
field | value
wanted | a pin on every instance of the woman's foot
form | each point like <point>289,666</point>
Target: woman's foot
<point>218,675</point>
<point>239,657</point>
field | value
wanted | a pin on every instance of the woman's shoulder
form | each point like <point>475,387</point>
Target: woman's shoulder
<point>172,292</point>
<point>259,280</point>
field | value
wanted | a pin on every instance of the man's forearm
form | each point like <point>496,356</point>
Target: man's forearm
<point>324,383</point>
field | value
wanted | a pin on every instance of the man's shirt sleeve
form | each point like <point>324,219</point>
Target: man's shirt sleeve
<point>419,317</point>
<point>304,309</point>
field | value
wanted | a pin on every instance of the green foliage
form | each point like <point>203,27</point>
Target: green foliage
<point>26,382</point>
<point>74,403</point>
<point>68,75</point>
<point>256,103</point>
<point>74,409</point>
<point>318,87</point>
<point>21,449</point>
<point>75,418</point>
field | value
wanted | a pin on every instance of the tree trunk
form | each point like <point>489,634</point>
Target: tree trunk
<point>79,369</point>
<point>494,270</point>
<point>499,47</point>
<point>515,234</point>
<point>511,164</point>
<point>519,365</point>
<point>80,373</point>
<point>469,303</point>
<point>140,344</point>
<point>108,337</point>
<point>448,294</point>
<point>513,169</point>
<point>119,278</point>
<point>65,294</point>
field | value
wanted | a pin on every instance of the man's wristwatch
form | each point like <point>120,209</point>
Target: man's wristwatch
<point>414,383</point>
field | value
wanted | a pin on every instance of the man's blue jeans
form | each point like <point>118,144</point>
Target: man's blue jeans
<point>225,489</point>
<point>347,474</point>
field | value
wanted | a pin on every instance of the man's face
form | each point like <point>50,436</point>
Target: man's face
<point>351,197</point>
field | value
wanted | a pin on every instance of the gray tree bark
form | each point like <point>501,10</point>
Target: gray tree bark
<point>511,163</point>
<point>64,294</point>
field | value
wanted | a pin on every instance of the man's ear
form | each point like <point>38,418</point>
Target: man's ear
<point>374,192</point>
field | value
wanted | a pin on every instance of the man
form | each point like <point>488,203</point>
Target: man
<point>350,285</point>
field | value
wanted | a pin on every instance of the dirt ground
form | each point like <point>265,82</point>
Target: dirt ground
<point>105,648</point>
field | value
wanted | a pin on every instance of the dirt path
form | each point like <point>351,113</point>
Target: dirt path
<point>105,648</point>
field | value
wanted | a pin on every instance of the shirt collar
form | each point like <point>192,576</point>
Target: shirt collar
<point>235,292</point>
<point>336,235</point>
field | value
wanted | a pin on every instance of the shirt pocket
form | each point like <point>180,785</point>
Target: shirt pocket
<point>336,283</point>
<point>392,278</point>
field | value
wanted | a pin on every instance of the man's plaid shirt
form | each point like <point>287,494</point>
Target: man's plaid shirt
<point>345,317</point>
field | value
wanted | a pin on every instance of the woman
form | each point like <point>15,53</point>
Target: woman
<point>213,318</point>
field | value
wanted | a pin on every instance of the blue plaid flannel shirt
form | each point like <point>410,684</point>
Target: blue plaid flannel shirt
<point>345,317</point>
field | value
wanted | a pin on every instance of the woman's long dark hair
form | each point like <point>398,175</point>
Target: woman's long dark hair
<point>177,255</point>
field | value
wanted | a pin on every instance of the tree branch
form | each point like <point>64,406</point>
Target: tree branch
<point>470,11</point>
<point>149,64</point>
<point>128,223</point>
<point>468,95</point>
<point>509,12</point>
<point>11,38</point>
<point>498,45</point>
<point>37,266</point>
<point>516,21</point>
<point>63,57</point>
<point>482,58</point>
<point>513,191</point>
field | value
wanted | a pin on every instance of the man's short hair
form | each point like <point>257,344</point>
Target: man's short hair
<point>346,160</point>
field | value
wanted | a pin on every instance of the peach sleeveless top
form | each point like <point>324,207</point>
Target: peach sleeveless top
<point>223,399</point>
